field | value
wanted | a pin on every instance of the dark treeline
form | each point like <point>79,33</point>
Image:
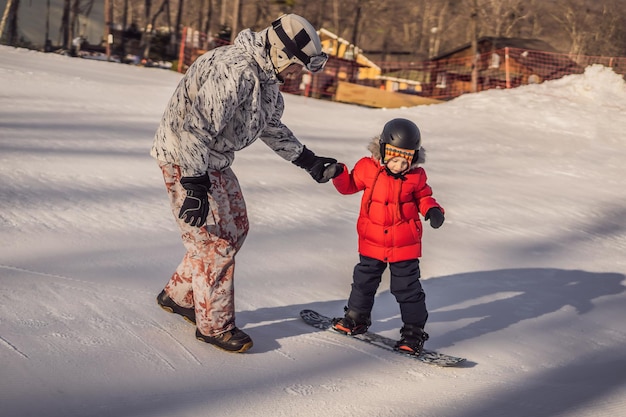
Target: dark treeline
<point>416,28</point>
<point>385,30</point>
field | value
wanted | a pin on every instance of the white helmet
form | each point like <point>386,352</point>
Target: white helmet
<point>292,39</point>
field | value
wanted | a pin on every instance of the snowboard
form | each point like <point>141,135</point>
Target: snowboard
<point>431,357</point>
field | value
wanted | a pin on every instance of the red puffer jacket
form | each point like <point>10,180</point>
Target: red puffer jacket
<point>389,226</point>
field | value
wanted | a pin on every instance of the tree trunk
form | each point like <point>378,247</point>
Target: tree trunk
<point>200,16</point>
<point>65,24</point>
<point>74,20</point>
<point>47,45</point>
<point>223,15</point>
<point>336,15</point>
<point>207,28</point>
<point>146,52</point>
<point>13,34</point>
<point>124,26</point>
<point>357,21</point>
<point>5,17</point>
<point>234,28</point>
<point>147,31</point>
<point>474,29</point>
<point>179,18</point>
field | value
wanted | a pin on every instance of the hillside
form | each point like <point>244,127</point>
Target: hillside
<point>526,278</point>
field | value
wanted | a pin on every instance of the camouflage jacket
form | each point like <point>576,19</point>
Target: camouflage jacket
<point>228,98</point>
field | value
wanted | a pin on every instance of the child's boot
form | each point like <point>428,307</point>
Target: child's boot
<point>352,323</point>
<point>412,339</point>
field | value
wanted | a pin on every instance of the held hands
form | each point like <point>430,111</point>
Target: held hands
<point>435,215</point>
<point>325,169</point>
<point>195,208</point>
<point>320,168</point>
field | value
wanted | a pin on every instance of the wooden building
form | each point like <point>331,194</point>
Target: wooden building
<point>499,63</point>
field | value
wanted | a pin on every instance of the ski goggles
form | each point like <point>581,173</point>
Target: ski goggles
<point>316,63</point>
<point>393,151</point>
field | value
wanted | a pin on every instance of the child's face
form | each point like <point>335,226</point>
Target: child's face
<point>398,165</point>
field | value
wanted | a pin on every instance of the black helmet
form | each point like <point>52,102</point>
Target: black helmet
<point>401,133</point>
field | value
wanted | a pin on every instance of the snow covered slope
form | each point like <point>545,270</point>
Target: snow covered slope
<point>526,278</point>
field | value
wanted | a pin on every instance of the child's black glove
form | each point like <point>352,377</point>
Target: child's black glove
<point>435,215</point>
<point>195,208</point>
<point>320,168</point>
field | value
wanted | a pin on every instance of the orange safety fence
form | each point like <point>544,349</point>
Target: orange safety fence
<point>501,68</point>
<point>441,79</point>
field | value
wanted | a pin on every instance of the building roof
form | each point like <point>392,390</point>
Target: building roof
<point>361,59</point>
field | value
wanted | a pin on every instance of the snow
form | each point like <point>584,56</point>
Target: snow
<point>526,279</point>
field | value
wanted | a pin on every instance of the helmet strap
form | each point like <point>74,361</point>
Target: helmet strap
<point>399,175</point>
<point>293,47</point>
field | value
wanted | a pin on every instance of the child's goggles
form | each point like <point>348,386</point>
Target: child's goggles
<point>392,151</point>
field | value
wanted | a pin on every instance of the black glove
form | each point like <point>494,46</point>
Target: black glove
<point>320,168</point>
<point>195,208</point>
<point>435,215</point>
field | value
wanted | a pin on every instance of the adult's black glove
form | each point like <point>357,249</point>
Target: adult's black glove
<point>320,168</point>
<point>435,215</point>
<point>195,208</point>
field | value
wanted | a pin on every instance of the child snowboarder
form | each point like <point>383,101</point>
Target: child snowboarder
<point>390,230</point>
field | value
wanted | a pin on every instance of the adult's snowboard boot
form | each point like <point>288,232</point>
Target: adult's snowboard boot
<point>232,341</point>
<point>412,338</point>
<point>352,323</point>
<point>168,304</point>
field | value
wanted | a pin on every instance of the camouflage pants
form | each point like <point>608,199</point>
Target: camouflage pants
<point>204,278</point>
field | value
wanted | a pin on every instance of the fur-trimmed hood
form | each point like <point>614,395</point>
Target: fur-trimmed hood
<point>374,148</point>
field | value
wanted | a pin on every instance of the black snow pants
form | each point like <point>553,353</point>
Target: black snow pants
<point>405,286</point>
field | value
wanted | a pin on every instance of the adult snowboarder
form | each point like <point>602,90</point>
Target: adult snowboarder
<point>228,98</point>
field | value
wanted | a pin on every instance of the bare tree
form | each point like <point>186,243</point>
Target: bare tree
<point>475,32</point>
<point>207,25</point>
<point>147,29</point>
<point>419,28</point>
<point>501,17</point>
<point>603,29</point>
<point>65,25</point>
<point>10,17</point>
<point>150,28</point>
<point>435,32</point>
<point>573,21</point>
<point>179,17</point>
<point>234,27</point>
